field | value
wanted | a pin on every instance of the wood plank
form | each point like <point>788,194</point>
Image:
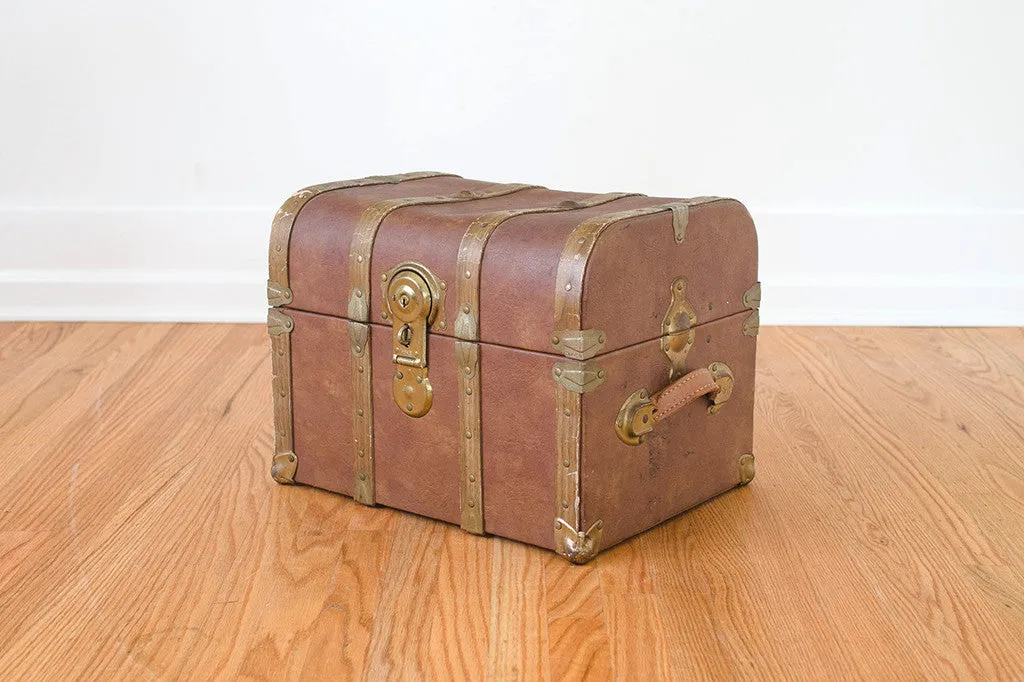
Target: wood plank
<point>141,536</point>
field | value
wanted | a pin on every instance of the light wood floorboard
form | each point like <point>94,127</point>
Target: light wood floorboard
<point>142,538</point>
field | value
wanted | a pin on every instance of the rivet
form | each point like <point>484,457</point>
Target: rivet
<point>466,308</point>
<point>565,463</point>
<point>419,380</point>
<point>362,475</point>
<point>359,259</point>
<point>568,287</point>
<point>600,374</point>
<point>600,338</point>
<point>468,274</point>
<point>280,351</point>
<point>558,371</point>
<point>398,375</point>
<point>384,316</point>
<point>360,412</point>
<point>443,324</point>
<point>469,391</point>
<point>362,453</point>
<point>283,393</point>
<point>554,340</point>
<point>565,504</point>
<point>359,293</point>
<point>679,286</point>
<point>443,285</point>
<point>469,434</point>
<point>359,349</point>
<point>409,407</point>
<point>471,503</point>
<point>582,241</point>
<point>472,478</point>
<point>384,278</point>
<point>408,390</point>
<point>360,368</point>
<point>467,370</point>
<point>278,248</point>
<point>558,525</point>
<point>708,340</point>
<point>567,412</point>
<point>291,456</point>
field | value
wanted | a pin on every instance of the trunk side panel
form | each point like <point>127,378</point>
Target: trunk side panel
<point>688,458</point>
<point>630,273</point>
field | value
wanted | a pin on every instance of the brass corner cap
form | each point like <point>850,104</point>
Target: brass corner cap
<point>575,545</point>
<point>283,467</point>
<point>747,470</point>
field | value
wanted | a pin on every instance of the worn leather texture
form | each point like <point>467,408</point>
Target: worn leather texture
<point>689,456</point>
<point>682,392</point>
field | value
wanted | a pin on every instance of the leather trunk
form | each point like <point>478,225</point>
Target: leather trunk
<point>561,368</point>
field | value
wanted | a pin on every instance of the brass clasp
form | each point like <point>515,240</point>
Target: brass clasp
<point>414,300</point>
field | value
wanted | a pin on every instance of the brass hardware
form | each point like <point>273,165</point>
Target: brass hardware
<point>285,463</point>
<point>278,294</point>
<point>568,448</point>
<point>369,224</point>
<point>578,344</point>
<point>578,377</point>
<point>283,467</point>
<point>414,300</point>
<point>471,252</point>
<point>467,354</point>
<point>746,469</point>
<point>636,418</point>
<point>284,221</point>
<point>725,381</point>
<point>677,333</point>
<point>364,486</point>
<point>639,413</point>
<point>752,301</point>
<point>752,297</point>
<point>575,545</point>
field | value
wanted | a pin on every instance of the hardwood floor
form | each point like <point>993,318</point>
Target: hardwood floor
<point>142,538</point>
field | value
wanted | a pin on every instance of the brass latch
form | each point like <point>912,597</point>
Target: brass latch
<point>414,300</point>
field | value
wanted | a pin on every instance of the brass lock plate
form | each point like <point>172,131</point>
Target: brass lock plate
<point>414,302</point>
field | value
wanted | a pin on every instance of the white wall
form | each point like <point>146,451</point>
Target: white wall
<point>144,146</point>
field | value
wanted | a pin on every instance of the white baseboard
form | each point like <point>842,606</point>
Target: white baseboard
<point>206,265</point>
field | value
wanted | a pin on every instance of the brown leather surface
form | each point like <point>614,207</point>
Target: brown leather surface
<point>687,458</point>
<point>630,273</point>
<point>321,390</point>
<point>626,289</point>
<point>682,392</point>
<point>518,407</point>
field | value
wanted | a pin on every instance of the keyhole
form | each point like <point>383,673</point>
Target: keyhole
<point>403,301</point>
<point>405,335</point>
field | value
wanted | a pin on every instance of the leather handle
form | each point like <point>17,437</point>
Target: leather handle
<point>642,412</point>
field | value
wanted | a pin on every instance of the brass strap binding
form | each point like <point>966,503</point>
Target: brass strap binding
<point>278,291</point>
<point>571,539</point>
<point>359,316</point>
<point>285,462</point>
<point>467,329</point>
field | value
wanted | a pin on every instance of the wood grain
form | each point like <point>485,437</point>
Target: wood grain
<point>141,536</point>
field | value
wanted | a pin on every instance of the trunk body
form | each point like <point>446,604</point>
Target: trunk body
<point>545,312</point>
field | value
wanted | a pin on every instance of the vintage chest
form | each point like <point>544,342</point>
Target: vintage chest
<point>561,368</point>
